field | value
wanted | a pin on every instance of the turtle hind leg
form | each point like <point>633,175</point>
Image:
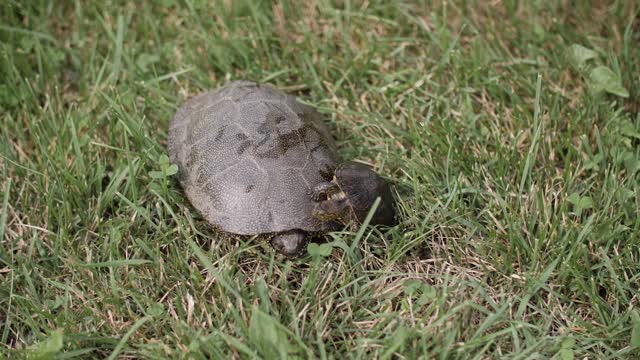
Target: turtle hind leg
<point>290,243</point>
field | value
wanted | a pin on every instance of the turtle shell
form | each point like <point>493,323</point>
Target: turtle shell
<point>362,186</point>
<point>248,157</point>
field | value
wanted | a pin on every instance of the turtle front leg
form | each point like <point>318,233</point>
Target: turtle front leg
<point>290,243</point>
<point>324,190</point>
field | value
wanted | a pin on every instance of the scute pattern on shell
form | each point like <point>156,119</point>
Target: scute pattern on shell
<point>248,156</point>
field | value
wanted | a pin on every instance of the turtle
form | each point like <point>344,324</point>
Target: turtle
<point>253,160</point>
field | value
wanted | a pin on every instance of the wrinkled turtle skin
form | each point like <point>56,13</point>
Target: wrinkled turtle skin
<point>248,158</point>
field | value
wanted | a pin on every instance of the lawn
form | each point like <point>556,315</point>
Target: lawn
<point>510,132</point>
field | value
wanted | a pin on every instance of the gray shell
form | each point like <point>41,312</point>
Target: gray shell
<point>248,157</point>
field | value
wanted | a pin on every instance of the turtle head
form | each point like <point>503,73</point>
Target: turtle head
<point>351,194</point>
<point>336,207</point>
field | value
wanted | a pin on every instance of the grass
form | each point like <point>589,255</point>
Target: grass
<point>515,161</point>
